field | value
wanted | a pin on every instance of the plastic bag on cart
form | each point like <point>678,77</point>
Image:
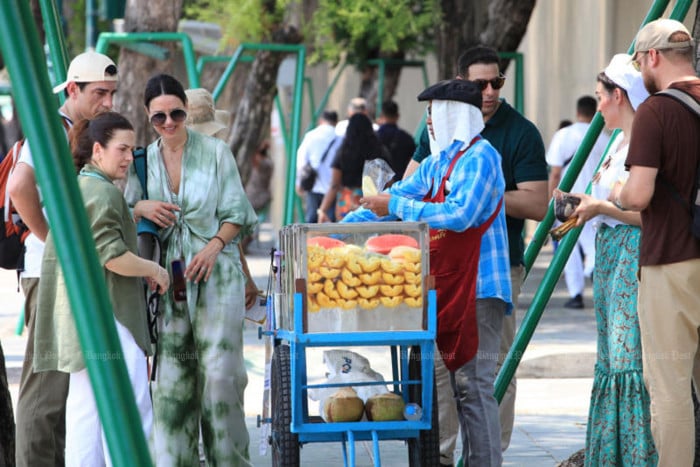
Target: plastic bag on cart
<point>345,366</point>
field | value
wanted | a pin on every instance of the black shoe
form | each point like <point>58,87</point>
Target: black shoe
<point>575,302</point>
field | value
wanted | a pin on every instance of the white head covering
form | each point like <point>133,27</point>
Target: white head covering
<point>622,72</point>
<point>453,120</point>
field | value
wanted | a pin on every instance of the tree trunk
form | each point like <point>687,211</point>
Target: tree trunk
<point>135,69</point>
<point>252,117</point>
<point>7,421</point>
<point>468,23</point>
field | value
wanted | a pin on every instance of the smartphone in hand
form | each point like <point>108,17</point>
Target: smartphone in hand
<point>179,283</point>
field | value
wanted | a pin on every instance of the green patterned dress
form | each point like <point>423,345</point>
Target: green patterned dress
<point>200,370</point>
<point>619,421</point>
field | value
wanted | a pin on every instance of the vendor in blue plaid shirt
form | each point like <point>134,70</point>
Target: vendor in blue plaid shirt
<point>458,192</point>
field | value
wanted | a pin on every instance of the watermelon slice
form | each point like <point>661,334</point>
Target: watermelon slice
<point>383,244</point>
<point>324,242</point>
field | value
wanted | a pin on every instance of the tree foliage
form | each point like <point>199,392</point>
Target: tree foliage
<point>366,29</point>
<point>240,20</point>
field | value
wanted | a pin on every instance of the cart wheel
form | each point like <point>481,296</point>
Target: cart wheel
<point>285,444</point>
<point>423,451</point>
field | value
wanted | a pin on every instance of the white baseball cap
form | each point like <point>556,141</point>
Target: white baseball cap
<point>89,67</point>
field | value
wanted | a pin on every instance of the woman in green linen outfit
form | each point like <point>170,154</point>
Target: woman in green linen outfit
<point>195,196</point>
<point>102,151</point>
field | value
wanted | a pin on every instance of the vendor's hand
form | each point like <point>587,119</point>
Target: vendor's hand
<point>202,264</point>
<point>251,293</point>
<point>588,208</point>
<point>378,204</point>
<point>322,216</point>
<point>160,212</point>
<point>160,281</point>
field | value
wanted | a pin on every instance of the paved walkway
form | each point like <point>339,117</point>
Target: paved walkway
<point>554,382</point>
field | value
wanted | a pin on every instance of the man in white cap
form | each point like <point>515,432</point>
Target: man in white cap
<point>663,158</point>
<point>89,88</point>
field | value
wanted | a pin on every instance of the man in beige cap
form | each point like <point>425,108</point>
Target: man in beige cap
<point>89,89</point>
<point>663,158</point>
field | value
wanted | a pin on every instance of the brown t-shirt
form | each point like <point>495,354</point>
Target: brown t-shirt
<point>666,136</point>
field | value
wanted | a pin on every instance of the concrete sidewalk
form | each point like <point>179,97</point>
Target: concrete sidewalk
<point>554,378</point>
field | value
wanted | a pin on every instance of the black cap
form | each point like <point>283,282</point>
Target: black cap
<point>453,90</point>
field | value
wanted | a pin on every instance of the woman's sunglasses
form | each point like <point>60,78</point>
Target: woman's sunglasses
<point>496,83</point>
<point>177,116</point>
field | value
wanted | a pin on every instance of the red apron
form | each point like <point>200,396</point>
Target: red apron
<point>454,262</point>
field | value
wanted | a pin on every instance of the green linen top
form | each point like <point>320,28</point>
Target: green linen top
<point>522,160</point>
<point>56,344</point>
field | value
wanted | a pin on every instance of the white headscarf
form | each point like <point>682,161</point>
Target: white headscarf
<point>453,120</point>
<point>622,72</point>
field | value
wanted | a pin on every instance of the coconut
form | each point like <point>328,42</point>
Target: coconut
<point>385,407</point>
<point>343,406</point>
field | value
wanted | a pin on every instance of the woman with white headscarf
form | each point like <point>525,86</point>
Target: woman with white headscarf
<point>619,421</point>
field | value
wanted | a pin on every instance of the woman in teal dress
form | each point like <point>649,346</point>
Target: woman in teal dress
<point>102,151</point>
<point>619,422</point>
<point>196,198</point>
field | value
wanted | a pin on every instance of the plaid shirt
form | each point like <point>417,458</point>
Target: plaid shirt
<point>473,191</point>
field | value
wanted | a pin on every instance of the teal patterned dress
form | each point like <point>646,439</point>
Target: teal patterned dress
<point>200,373</point>
<point>619,421</point>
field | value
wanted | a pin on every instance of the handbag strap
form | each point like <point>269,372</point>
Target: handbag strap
<point>325,153</point>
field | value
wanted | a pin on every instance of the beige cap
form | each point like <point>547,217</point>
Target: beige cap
<point>657,35</point>
<point>89,67</point>
<point>201,114</point>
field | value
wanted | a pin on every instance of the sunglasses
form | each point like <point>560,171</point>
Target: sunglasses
<point>177,116</point>
<point>636,64</point>
<point>496,83</point>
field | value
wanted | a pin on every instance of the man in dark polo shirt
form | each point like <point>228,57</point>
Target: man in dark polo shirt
<point>525,172</point>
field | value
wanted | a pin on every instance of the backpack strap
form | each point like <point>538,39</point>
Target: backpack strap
<point>683,97</point>
<point>693,106</point>
<point>140,167</point>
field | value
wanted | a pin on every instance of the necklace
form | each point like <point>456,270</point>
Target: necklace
<point>174,148</point>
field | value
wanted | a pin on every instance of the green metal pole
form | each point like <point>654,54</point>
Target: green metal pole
<point>380,89</point>
<point>90,24</point>
<point>107,38</point>
<point>324,99</point>
<point>310,91</point>
<point>296,127</point>
<point>56,40</point>
<point>544,292</point>
<point>74,244</point>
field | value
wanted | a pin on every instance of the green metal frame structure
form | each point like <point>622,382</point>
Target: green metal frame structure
<point>131,38</point>
<point>74,244</point>
<point>37,108</point>
<point>293,143</point>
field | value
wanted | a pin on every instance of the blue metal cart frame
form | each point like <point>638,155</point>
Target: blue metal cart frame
<point>307,429</point>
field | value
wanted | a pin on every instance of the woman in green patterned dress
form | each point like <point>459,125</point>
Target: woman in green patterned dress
<point>619,422</point>
<point>195,196</point>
